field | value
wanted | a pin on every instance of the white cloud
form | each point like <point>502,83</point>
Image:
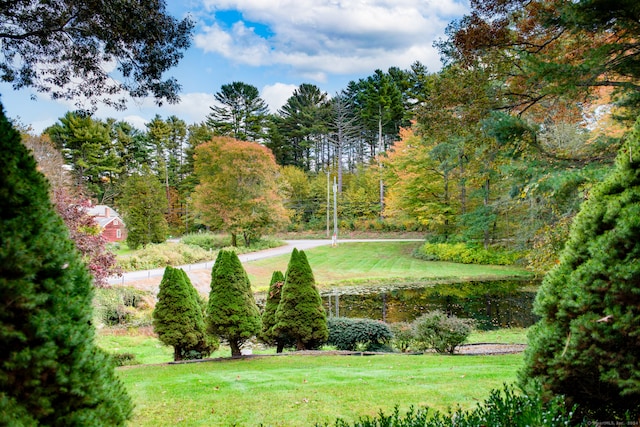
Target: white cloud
<point>317,37</point>
<point>276,95</point>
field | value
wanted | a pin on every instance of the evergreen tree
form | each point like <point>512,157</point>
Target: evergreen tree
<point>143,205</point>
<point>587,344</point>
<point>300,313</point>
<point>232,313</point>
<point>268,335</point>
<point>51,372</point>
<point>178,318</point>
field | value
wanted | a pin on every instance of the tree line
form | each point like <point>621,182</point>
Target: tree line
<point>456,153</point>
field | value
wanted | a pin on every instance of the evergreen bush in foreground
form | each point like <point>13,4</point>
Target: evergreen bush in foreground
<point>587,344</point>
<point>300,313</point>
<point>504,408</point>
<point>232,313</point>
<point>51,372</point>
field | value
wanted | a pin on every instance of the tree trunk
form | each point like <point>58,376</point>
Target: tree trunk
<point>463,186</point>
<point>234,240</point>
<point>486,204</point>
<point>300,345</point>
<point>279,346</point>
<point>380,166</point>
<point>235,348</point>
<point>177,353</point>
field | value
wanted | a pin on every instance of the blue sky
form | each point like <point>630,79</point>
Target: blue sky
<point>275,45</point>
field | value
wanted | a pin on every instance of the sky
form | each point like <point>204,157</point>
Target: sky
<point>274,45</point>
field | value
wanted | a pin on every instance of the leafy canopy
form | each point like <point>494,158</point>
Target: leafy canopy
<point>238,191</point>
<point>63,47</point>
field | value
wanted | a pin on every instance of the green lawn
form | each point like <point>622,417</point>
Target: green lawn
<point>296,390</point>
<point>147,349</point>
<point>369,263</point>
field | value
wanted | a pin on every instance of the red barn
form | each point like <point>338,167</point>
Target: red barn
<point>113,229</point>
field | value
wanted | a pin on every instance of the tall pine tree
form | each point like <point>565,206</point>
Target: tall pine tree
<point>51,372</point>
<point>232,313</point>
<point>587,344</point>
<point>300,313</point>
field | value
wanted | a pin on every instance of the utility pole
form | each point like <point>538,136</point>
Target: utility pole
<point>335,212</point>
<point>328,203</point>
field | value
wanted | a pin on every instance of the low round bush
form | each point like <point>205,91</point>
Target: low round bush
<point>435,330</point>
<point>124,359</point>
<point>402,336</point>
<point>352,334</point>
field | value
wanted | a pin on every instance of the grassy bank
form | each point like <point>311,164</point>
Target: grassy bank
<point>379,262</point>
<point>296,390</point>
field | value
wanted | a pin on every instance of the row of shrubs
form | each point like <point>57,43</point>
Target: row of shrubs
<point>431,331</point>
<point>466,253</point>
<point>130,307</point>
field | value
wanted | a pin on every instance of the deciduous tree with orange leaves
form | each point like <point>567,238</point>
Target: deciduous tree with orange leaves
<point>238,191</point>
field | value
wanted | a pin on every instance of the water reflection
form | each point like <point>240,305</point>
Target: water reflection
<point>495,304</point>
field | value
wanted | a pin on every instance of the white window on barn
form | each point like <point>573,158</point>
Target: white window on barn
<point>115,222</point>
<point>119,234</point>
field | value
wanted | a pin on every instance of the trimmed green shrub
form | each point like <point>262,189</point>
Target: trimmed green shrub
<point>402,336</point>
<point>232,313</point>
<point>435,330</point>
<point>467,254</point>
<point>51,371</point>
<point>124,359</point>
<point>268,335</point>
<point>178,319</point>
<point>300,313</point>
<point>352,334</point>
<point>502,408</point>
<point>586,345</point>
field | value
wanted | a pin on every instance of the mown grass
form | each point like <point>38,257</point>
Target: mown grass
<point>297,390</point>
<point>148,349</point>
<point>379,262</point>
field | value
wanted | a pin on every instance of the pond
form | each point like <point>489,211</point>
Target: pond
<point>496,304</point>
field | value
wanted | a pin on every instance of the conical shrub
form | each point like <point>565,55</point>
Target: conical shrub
<point>300,313</point>
<point>232,312</point>
<point>178,317</point>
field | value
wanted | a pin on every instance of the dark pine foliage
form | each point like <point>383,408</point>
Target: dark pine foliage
<point>51,372</point>
<point>300,313</point>
<point>178,318</point>
<point>587,344</point>
<point>232,313</point>
<point>268,335</point>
